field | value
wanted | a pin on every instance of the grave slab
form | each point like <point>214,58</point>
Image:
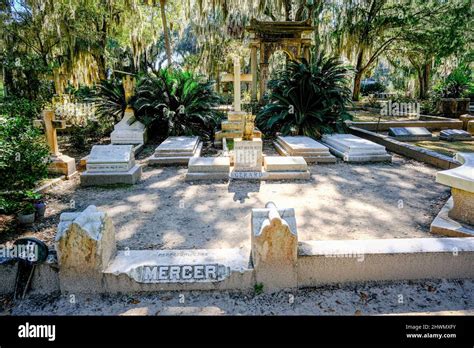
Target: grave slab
<point>311,150</point>
<point>410,133</point>
<point>129,130</point>
<point>208,168</point>
<point>284,164</point>
<point>455,135</point>
<point>354,149</point>
<point>176,151</point>
<point>111,164</point>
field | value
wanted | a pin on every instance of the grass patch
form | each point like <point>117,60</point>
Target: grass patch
<point>230,144</point>
<point>447,148</point>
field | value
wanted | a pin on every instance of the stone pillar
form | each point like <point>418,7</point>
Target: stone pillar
<point>463,208</point>
<point>85,243</point>
<point>237,85</point>
<point>253,67</point>
<point>263,79</point>
<point>470,127</point>
<point>466,120</point>
<point>274,247</point>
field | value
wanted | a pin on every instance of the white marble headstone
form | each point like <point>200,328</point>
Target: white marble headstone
<point>111,158</point>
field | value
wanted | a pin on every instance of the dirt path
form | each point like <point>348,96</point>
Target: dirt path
<point>341,201</point>
<point>430,297</point>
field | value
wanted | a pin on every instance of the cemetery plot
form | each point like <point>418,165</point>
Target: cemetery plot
<point>162,211</point>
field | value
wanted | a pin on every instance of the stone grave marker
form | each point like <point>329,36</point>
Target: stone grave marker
<point>60,163</point>
<point>111,164</point>
<point>455,135</point>
<point>355,149</point>
<point>176,151</point>
<point>311,150</point>
<point>410,133</point>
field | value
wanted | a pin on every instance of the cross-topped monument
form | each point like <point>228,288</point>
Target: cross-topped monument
<point>234,126</point>
<point>59,163</point>
<point>129,130</point>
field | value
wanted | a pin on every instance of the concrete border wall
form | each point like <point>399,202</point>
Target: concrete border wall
<point>412,151</point>
<point>343,261</point>
<point>429,122</point>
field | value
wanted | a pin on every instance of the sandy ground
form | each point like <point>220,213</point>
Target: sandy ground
<point>428,297</point>
<point>341,201</point>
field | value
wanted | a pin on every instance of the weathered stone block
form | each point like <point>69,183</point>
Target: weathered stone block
<point>85,243</point>
<point>274,247</point>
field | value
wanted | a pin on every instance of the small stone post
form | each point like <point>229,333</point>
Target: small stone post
<point>85,243</point>
<point>274,247</point>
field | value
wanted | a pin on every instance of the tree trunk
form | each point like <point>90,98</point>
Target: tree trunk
<point>426,79</point>
<point>421,82</point>
<point>287,5</point>
<point>358,76</point>
<point>165,31</point>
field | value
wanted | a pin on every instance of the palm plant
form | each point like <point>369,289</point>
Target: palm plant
<point>177,102</point>
<point>109,100</point>
<point>308,98</point>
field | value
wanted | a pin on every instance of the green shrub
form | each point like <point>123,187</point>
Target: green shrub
<point>110,103</point>
<point>372,88</point>
<point>23,154</point>
<point>175,102</point>
<point>21,107</point>
<point>308,98</point>
<point>457,84</point>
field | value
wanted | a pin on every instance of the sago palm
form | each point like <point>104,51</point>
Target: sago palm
<point>307,98</point>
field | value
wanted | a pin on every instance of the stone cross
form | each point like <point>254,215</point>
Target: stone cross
<point>51,125</point>
<point>237,85</point>
<point>128,85</point>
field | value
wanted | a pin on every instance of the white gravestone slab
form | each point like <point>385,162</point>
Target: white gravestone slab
<point>248,155</point>
<point>355,149</point>
<point>128,131</point>
<point>110,158</point>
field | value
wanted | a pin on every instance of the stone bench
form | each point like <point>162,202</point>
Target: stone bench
<point>459,210</point>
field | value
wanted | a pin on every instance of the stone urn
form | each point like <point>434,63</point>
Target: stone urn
<point>454,107</point>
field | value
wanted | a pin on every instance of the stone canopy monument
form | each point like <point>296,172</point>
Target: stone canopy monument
<point>293,38</point>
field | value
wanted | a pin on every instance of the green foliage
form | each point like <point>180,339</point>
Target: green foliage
<point>457,84</point>
<point>26,208</point>
<point>372,88</point>
<point>81,136</point>
<point>258,288</point>
<point>109,99</point>
<point>20,107</point>
<point>23,154</point>
<point>308,98</point>
<point>176,102</point>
